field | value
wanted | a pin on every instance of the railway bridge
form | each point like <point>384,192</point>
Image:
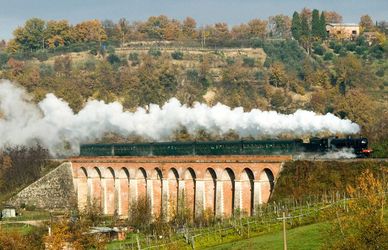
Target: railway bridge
<point>220,185</point>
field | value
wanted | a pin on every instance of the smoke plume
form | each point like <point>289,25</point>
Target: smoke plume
<point>53,123</point>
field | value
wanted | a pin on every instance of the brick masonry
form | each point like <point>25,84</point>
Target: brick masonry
<point>221,184</point>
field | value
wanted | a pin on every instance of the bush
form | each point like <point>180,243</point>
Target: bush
<point>249,61</point>
<point>41,55</point>
<point>337,48</point>
<point>351,46</point>
<point>343,52</point>
<point>93,51</point>
<point>154,52</point>
<point>230,60</point>
<point>177,55</point>
<point>380,72</point>
<point>377,51</point>
<point>113,59</point>
<point>46,70</point>
<point>192,75</point>
<point>360,50</point>
<point>332,44</point>
<point>259,75</point>
<point>328,56</point>
<point>4,57</point>
<point>134,58</point>
<point>319,50</point>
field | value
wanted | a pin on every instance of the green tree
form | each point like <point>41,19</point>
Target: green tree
<point>31,35</point>
<point>315,25</point>
<point>296,26</point>
<point>305,37</point>
<point>322,26</point>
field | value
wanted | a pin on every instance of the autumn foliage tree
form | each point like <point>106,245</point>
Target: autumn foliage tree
<point>362,226</point>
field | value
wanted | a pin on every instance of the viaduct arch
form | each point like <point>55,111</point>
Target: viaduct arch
<point>220,185</point>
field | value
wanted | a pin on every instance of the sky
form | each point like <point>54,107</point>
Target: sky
<point>14,13</point>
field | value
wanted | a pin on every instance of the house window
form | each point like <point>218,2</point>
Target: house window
<point>354,32</point>
<point>338,32</point>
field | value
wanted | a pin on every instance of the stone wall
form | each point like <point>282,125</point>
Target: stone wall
<point>53,191</point>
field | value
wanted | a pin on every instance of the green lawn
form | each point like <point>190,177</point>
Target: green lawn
<point>18,227</point>
<point>305,237</point>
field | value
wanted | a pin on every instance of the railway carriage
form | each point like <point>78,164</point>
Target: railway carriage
<point>251,147</point>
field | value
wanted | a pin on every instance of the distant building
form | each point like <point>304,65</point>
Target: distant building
<point>347,31</point>
<point>8,212</point>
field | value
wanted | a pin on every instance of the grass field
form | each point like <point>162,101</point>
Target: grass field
<point>305,237</point>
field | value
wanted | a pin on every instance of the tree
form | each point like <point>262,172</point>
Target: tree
<point>296,27</point>
<point>155,26</point>
<point>349,72</point>
<point>366,23</point>
<point>257,28</point>
<point>315,25</point>
<point>172,31</point>
<point>58,33</point>
<point>322,26</point>
<point>221,32</point>
<point>189,28</point>
<point>305,36</point>
<point>333,17</point>
<point>124,30</point>
<point>240,32</point>
<point>362,227</point>
<point>278,75</point>
<point>280,26</point>
<point>88,31</point>
<point>110,29</point>
<point>31,35</point>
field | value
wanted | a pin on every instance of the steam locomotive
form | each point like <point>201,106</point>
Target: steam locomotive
<point>358,146</point>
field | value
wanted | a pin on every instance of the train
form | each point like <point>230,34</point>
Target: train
<point>358,146</point>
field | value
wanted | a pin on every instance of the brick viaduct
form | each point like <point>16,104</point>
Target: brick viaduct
<point>220,184</point>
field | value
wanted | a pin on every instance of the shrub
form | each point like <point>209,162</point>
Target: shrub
<point>46,70</point>
<point>154,52</point>
<point>343,52</point>
<point>113,59</point>
<point>3,58</point>
<point>230,60</point>
<point>134,58</point>
<point>328,56</point>
<point>360,50</point>
<point>259,75</point>
<point>377,51</point>
<point>41,55</point>
<point>192,75</point>
<point>93,51</point>
<point>351,46</point>
<point>319,50</point>
<point>380,72</point>
<point>337,48</point>
<point>249,61</point>
<point>177,55</point>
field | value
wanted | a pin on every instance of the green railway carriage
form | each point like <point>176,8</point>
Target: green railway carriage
<point>193,148</point>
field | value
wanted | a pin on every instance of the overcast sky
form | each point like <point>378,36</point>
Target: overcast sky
<point>14,13</point>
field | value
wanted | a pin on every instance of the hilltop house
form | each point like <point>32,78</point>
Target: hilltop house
<point>347,31</point>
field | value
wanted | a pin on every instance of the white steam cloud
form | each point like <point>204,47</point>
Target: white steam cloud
<point>52,122</point>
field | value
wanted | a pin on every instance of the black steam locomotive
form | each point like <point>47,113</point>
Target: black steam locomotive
<point>358,146</point>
